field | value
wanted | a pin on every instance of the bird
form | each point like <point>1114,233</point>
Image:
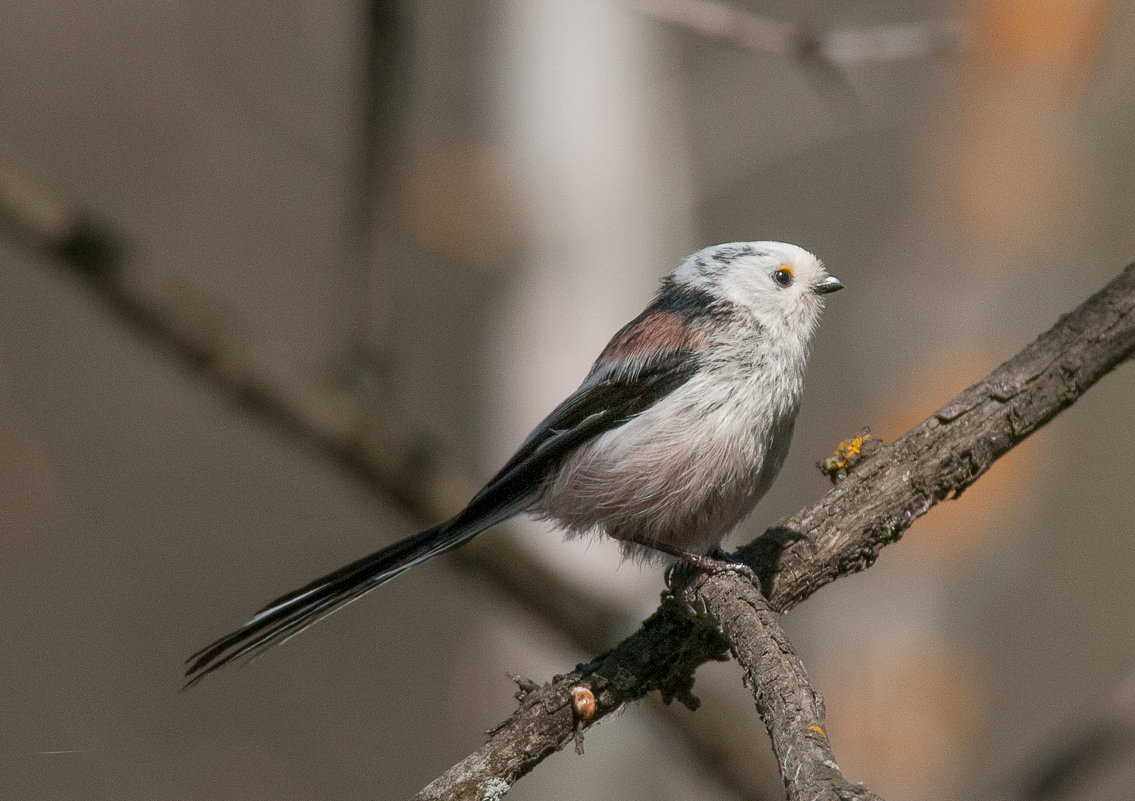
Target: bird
<point>679,428</point>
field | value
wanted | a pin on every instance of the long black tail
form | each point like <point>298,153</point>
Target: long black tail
<point>292,613</point>
<point>597,406</point>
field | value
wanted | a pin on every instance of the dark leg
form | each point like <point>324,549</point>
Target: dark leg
<point>704,563</point>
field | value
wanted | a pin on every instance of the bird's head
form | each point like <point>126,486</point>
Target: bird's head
<point>781,285</point>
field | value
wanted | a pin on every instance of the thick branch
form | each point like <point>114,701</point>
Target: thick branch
<point>792,711</point>
<point>843,533</point>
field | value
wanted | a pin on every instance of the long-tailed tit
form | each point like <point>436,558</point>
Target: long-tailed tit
<point>675,434</point>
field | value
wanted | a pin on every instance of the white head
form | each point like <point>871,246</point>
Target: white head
<point>782,285</point>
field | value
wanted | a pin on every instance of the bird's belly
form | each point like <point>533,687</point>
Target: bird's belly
<point>681,473</point>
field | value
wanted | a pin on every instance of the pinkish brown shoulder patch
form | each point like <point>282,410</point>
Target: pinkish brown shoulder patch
<point>657,332</point>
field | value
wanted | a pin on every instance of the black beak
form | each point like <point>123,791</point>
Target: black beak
<point>828,285</point>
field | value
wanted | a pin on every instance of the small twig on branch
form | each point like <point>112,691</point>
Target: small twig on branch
<point>837,48</point>
<point>841,534</point>
<point>792,711</point>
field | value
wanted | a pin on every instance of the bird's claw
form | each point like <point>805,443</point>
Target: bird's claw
<point>741,569</point>
<point>684,579</point>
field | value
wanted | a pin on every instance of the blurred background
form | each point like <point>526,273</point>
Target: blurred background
<point>360,249</point>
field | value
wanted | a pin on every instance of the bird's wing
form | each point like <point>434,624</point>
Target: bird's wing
<point>613,393</point>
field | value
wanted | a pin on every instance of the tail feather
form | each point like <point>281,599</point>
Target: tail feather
<point>292,613</point>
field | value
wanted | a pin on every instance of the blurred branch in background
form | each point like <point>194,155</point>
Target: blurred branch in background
<point>1081,756</point>
<point>794,40</point>
<point>841,534</point>
<point>334,411</point>
<point>381,99</point>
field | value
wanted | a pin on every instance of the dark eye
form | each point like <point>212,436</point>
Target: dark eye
<point>783,276</point>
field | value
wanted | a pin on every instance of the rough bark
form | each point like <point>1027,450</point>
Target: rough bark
<point>791,709</point>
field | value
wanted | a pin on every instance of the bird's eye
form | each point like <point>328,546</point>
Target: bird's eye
<point>783,276</point>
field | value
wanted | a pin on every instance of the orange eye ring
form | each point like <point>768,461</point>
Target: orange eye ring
<point>783,276</point>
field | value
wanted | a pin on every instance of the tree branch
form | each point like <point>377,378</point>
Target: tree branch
<point>792,711</point>
<point>841,534</point>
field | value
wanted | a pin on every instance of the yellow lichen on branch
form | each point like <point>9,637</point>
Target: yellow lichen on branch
<point>847,455</point>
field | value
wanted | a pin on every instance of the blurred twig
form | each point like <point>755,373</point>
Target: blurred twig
<point>1085,753</point>
<point>792,40</point>
<point>333,411</point>
<point>841,534</point>
<point>386,46</point>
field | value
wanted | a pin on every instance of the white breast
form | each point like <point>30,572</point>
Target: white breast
<point>691,467</point>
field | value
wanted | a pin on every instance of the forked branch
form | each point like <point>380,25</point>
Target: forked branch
<point>842,533</point>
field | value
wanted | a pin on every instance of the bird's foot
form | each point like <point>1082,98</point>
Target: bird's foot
<point>683,581</point>
<point>685,578</point>
<point>705,564</point>
<point>716,562</point>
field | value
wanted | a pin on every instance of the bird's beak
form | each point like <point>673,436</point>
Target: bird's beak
<point>828,285</point>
